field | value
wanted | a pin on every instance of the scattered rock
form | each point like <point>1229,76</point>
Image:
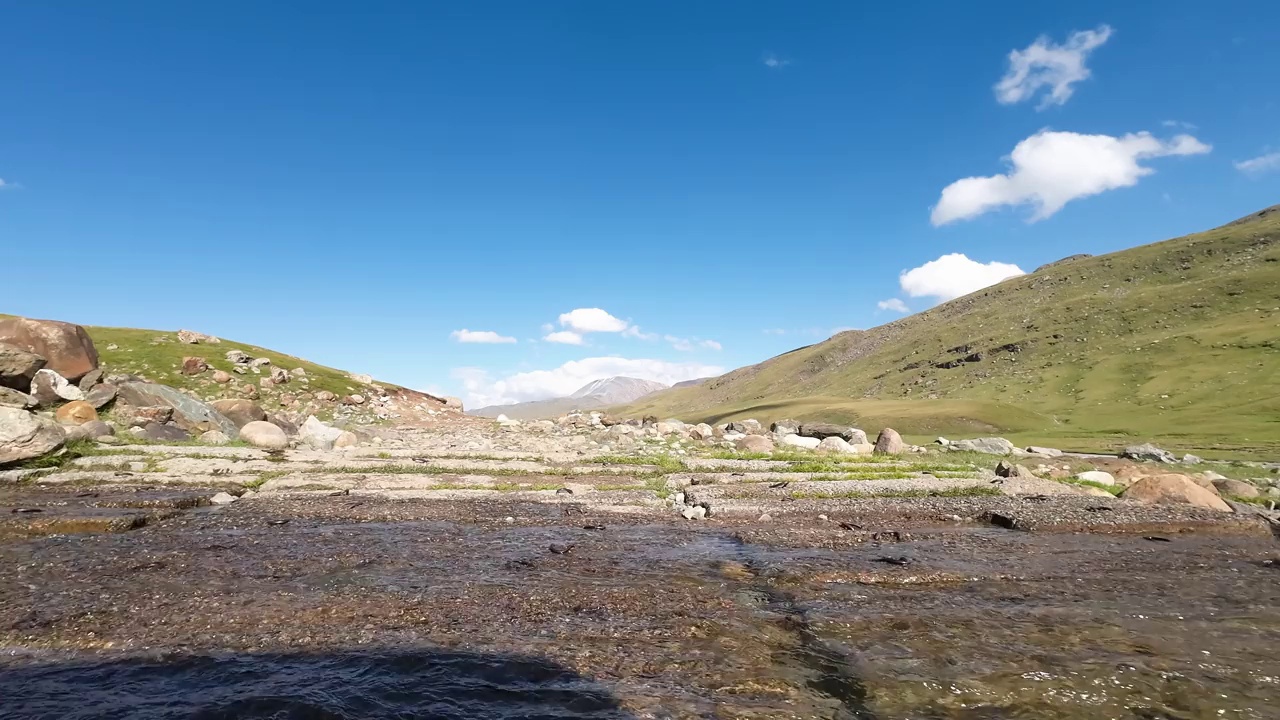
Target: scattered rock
<point>318,435</point>
<point>1045,451</point>
<point>834,444</point>
<point>1190,459</point>
<point>289,427</point>
<point>1173,490</point>
<point>353,399</point>
<point>101,395</point>
<point>66,348</point>
<point>239,411</point>
<point>264,435</point>
<point>90,380</point>
<point>988,445</point>
<point>259,362</point>
<point>12,398</point>
<point>1096,476</point>
<point>1236,488</point>
<point>266,383</point>
<point>164,433</point>
<point>453,403</point>
<point>76,412</point>
<point>192,337</point>
<point>823,431</point>
<point>346,439</point>
<point>49,388</point>
<point>1009,470</point>
<point>298,372</point>
<point>214,437</point>
<point>24,436</point>
<point>942,442</point>
<point>1148,452</point>
<point>222,377</point>
<point>694,512</point>
<point>188,412</point>
<point>239,357</point>
<point>889,442</point>
<point>702,431</point>
<point>755,443</point>
<point>107,440</point>
<point>783,428</point>
<point>137,416</point>
<point>97,429</point>
<point>326,396</point>
<point>223,498</point>
<point>18,366</point>
<point>193,365</point>
<point>361,378</point>
<point>801,442</point>
<point>279,376</point>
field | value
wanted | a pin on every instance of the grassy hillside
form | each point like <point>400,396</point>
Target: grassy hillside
<point>1177,341</point>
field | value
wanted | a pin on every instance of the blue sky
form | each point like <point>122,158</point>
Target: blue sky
<point>356,183</point>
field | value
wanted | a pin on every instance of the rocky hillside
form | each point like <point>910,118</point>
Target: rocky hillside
<point>595,394</point>
<point>1177,340</point>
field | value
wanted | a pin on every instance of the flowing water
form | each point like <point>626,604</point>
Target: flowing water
<point>445,610</point>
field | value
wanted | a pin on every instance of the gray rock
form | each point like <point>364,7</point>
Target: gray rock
<point>164,433</point>
<point>108,440</point>
<point>238,357</point>
<point>49,388</point>
<point>1096,476</point>
<point>783,428</point>
<point>279,376</point>
<point>259,362</point>
<point>99,396</point>
<point>1148,452</point>
<point>239,411</point>
<point>702,431</point>
<point>191,337</point>
<point>317,435</point>
<point>24,436</point>
<point>12,398</point>
<point>139,416</point>
<point>1190,459</point>
<point>188,412</point>
<point>988,445</point>
<point>1045,451</point>
<point>835,444</point>
<point>223,498</point>
<point>808,443</point>
<point>264,435</point>
<point>214,437</point>
<point>289,427</point>
<point>755,443</point>
<point>694,512</point>
<point>90,379</point>
<point>96,429</point>
<point>18,367</point>
<point>1007,469</point>
<point>298,372</point>
<point>826,430</point>
<point>1236,488</point>
<point>889,442</point>
<point>735,427</point>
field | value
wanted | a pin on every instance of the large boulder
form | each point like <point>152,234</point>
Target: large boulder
<point>131,416</point>
<point>66,348</point>
<point>889,442</point>
<point>322,437</point>
<point>1174,490</point>
<point>1097,476</point>
<point>49,388</point>
<point>1148,452</point>
<point>164,433</point>
<point>96,429</point>
<point>835,444</point>
<point>192,337</point>
<point>240,411</point>
<point>1235,488</point>
<point>264,435</point>
<point>76,412</point>
<point>18,366</point>
<point>823,431</point>
<point>988,445</point>
<point>24,436</point>
<point>783,428</point>
<point>194,365</point>
<point>189,413</point>
<point>755,444</point>
<point>99,396</point>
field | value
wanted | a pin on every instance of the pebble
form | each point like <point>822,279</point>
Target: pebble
<point>824,518</point>
<point>508,520</point>
<point>696,512</point>
<point>223,498</point>
<point>766,517</point>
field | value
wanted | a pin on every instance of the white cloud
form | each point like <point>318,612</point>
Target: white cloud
<point>480,336</point>
<point>635,332</point>
<point>8,185</point>
<point>773,61</point>
<point>711,344</point>
<point>1050,169</point>
<point>1046,64</point>
<point>480,389</point>
<point>893,304</point>
<point>951,276</point>
<point>564,337</point>
<point>586,320</point>
<point>1181,124</point>
<point>1259,165</point>
<point>678,343</point>
<point>774,331</point>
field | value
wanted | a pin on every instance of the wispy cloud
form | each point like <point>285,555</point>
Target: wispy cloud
<point>774,331</point>
<point>564,337</point>
<point>486,337</point>
<point>7,185</point>
<point>690,344</point>
<point>1181,124</point>
<point>1259,165</point>
<point>894,305</point>
<point>771,60</point>
<point>1046,64</point>
<point>1050,169</point>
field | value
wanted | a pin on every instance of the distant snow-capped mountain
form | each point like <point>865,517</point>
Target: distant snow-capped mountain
<point>595,394</point>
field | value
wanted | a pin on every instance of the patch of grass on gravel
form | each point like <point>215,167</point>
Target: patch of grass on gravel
<point>1113,489</point>
<point>977,491</point>
<point>666,463</point>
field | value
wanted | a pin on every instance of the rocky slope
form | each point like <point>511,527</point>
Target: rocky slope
<point>1177,340</point>
<point>595,394</point>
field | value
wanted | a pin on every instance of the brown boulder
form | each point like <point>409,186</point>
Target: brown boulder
<point>76,412</point>
<point>889,442</point>
<point>1173,490</point>
<point>755,443</point>
<point>1236,488</point>
<point>241,412</point>
<point>194,365</point>
<point>134,416</point>
<point>221,377</point>
<point>66,348</point>
<point>18,366</point>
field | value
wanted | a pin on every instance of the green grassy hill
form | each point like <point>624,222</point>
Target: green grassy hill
<point>1178,341</point>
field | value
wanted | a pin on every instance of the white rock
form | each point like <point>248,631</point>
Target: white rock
<point>836,445</point>
<point>1096,476</point>
<point>223,498</point>
<point>766,517</point>
<point>695,512</point>
<point>260,433</point>
<point>318,435</point>
<point>501,418</point>
<point>214,437</point>
<point>1045,451</point>
<point>60,385</point>
<point>801,442</point>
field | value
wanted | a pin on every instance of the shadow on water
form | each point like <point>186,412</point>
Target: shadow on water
<point>426,683</point>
